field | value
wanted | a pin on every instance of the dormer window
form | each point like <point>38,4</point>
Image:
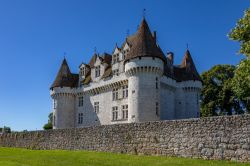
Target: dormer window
<point>115,72</point>
<point>82,71</point>
<point>115,58</point>
<point>97,71</point>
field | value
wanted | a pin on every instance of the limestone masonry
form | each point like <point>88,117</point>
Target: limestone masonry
<point>210,138</point>
<point>137,83</point>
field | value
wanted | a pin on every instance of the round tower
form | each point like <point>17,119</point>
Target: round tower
<point>144,66</point>
<point>62,93</point>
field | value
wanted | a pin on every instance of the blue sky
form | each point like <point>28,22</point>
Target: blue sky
<point>34,34</point>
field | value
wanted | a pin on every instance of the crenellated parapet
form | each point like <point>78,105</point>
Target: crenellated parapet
<point>62,92</point>
<point>144,65</point>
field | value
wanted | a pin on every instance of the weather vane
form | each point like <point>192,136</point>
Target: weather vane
<point>144,13</point>
<point>95,50</point>
<point>187,46</point>
<point>64,55</point>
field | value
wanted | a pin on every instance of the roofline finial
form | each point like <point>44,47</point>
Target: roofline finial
<point>187,46</point>
<point>64,55</point>
<point>143,13</point>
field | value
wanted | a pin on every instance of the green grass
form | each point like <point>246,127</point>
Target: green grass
<point>24,157</point>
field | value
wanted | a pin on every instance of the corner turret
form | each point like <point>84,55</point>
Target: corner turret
<point>62,93</point>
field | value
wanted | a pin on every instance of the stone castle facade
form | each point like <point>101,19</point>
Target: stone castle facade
<point>137,83</point>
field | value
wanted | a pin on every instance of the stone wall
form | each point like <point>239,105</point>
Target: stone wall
<point>209,138</point>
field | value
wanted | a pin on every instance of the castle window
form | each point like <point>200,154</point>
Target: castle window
<point>96,107</point>
<point>156,83</point>
<point>157,108</point>
<point>125,91</point>
<point>80,118</point>
<point>54,104</point>
<point>115,58</point>
<point>80,101</point>
<point>54,120</point>
<point>115,72</point>
<point>125,112</point>
<point>114,113</point>
<point>115,94</point>
<point>82,71</point>
<point>97,71</point>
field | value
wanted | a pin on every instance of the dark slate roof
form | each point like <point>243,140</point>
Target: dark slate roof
<point>107,72</point>
<point>64,77</point>
<point>186,70</point>
<point>143,44</point>
<point>105,58</point>
<point>87,79</point>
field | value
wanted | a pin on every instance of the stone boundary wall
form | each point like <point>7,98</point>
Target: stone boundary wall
<point>226,137</point>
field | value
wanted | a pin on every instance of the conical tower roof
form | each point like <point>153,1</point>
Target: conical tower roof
<point>188,64</point>
<point>144,44</point>
<point>64,77</point>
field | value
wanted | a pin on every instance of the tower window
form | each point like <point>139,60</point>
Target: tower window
<point>156,83</point>
<point>125,91</point>
<point>54,104</point>
<point>80,101</point>
<point>96,107</point>
<point>115,94</point>
<point>125,112</point>
<point>54,120</point>
<point>157,108</point>
<point>80,118</point>
<point>97,71</point>
<point>114,113</point>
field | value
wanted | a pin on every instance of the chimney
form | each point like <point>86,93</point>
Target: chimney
<point>170,56</point>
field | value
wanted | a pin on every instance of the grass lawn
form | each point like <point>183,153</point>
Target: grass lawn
<point>24,157</point>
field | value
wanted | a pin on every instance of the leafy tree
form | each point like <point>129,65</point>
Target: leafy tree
<point>6,129</point>
<point>241,33</point>
<point>241,82</point>
<point>217,94</point>
<point>49,125</point>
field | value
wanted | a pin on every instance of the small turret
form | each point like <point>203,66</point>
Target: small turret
<point>62,93</point>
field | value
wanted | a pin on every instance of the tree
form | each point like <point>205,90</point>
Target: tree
<point>241,33</point>
<point>241,82</point>
<point>217,95</point>
<point>49,125</point>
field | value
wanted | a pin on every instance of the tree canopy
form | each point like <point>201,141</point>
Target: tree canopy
<point>49,125</point>
<point>218,98</point>
<point>241,33</point>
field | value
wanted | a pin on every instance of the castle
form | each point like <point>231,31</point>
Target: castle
<point>137,83</point>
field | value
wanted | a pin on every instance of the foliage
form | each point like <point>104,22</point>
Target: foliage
<point>49,125</point>
<point>217,95</point>
<point>6,129</point>
<point>241,81</point>
<point>241,33</point>
<point>17,156</point>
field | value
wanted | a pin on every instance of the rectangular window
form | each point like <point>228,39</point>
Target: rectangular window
<point>115,58</point>
<point>114,113</point>
<point>157,108</point>
<point>96,107</point>
<point>54,104</point>
<point>156,83</point>
<point>125,91</point>
<point>97,71</point>
<point>125,112</point>
<point>80,118</point>
<point>82,71</point>
<point>115,94</point>
<point>115,72</point>
<point>54,120</point>
<point>80,101</point>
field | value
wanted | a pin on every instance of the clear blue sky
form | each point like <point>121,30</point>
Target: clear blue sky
<point>35,34</point>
